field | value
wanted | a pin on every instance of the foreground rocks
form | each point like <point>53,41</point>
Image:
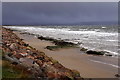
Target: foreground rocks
<point>35,62</point>
<point>96,52</point>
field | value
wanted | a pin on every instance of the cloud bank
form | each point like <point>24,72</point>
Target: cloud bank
<point>59,13</point>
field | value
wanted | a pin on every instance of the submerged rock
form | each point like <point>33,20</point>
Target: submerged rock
<point>83,49</point>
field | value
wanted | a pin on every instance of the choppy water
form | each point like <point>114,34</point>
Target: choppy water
<point>92,37</point>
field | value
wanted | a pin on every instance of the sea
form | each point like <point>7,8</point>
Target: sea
<point>92,37</point>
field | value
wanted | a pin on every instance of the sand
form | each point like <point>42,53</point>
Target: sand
<point>73,58</point>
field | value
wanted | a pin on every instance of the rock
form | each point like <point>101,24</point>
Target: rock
<point>108,54</point>
<point>76,73</point>
<point>26,62</point>
<point>13,46</point>
<point>18,56</point>
<point>69,76</point>
<point>83,49</point>
<point>46,59</point>
<point>95,52</point>
<point>117,75</point>
<point>39,63</point>
<point>10,54</point>
<point>58,66</point>
<point>51,75</point>
<point>14,63</point>
<point>26,44</point>
<point>31,57</point>
<point>40,58</point>
<point>21,39</point>
<point>34,61</point>
<point>12,59</point>
<point>51,63</point>
<point>23,54</point>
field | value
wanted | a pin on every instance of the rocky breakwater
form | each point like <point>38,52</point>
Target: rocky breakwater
<point>35,62</point>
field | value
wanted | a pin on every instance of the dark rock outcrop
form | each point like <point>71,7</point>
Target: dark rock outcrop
<point>95,52</point>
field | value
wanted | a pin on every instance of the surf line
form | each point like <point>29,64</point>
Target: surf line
<point>105,63</point>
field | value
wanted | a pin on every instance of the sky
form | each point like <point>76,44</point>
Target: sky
<point>59,13</point>
<point>60,0</point>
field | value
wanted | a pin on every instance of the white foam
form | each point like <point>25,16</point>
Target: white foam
<point>112,40</point>
<point>103,27</point>
<point>83,35</point>
<point>115,53</point>
<point>116,66</point>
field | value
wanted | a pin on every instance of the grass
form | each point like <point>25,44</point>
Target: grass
<point>0,53</point>
<point>12,71</point>
<point>9,71</point>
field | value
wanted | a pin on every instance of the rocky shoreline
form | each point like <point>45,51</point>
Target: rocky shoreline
<point>59,44</point>
<point>35,62</point>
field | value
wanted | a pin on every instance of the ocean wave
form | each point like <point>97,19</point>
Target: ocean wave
<point>116,66</point>
<point>86,36</point>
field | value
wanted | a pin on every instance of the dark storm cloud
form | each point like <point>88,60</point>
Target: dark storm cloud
<point>31,13</point>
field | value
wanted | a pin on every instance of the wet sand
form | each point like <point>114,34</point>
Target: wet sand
<point>73,58</point>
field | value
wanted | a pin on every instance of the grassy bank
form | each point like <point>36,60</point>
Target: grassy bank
<point>12,71</point>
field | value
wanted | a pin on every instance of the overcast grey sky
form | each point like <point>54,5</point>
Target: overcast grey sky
<point>56,13</point>
<point>60,0</point>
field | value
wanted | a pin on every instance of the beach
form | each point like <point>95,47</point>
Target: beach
<point>60,40</point>
<point>89,66</point>
<point>28,62</point>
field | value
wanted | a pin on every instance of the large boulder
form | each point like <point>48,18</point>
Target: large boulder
<point>95,52</point>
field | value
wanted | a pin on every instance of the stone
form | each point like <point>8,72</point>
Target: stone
<point>23,54</point>
<point>117,75</point>
<point>26,62</point>
<point>39,63</point>
<point>95,52</point>
<point>18,56</point>
<point>76,73</point>
<point>34,61</point>
<point>83,49</point>
<point>13,46</point>
<point>51,75</point>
